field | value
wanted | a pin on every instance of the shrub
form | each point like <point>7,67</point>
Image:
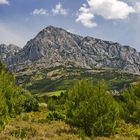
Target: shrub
<point>131,104</point>
<point>13,99</point>
<point>31,104</point>
<point>51,104</point>
<point>91,108</point>
<point>55,115</point>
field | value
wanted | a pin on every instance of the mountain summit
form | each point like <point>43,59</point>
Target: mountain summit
<point>56,47</point>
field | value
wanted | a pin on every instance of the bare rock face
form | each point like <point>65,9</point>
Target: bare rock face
<point>56,47</point>
<point>7,51</point>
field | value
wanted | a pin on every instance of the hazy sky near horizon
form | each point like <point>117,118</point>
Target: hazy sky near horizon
<point>113,20</point>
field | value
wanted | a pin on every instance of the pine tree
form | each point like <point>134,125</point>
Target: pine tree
<point>91,108</point>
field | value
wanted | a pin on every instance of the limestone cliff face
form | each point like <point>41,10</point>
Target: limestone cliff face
<point>7,51</point>
<point>55,47</point>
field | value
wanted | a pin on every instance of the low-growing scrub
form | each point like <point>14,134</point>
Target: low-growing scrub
<point>86,111</point>
<point>22,133</point>
<point>55,116</point>
<point>96,112</point>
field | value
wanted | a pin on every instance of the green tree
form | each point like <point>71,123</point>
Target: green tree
<point>13,99</point>
<point>91,108</point>
<point>131,104</point>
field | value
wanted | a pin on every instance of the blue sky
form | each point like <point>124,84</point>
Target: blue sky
<point>114,20</point>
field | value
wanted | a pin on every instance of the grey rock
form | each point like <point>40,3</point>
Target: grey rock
<point>55,47</point>
<point>8,51</point>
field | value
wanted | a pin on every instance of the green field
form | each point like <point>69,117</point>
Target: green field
<point>50,94</point>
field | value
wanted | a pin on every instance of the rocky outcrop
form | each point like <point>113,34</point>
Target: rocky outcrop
<point>7,51</point>
<point>55,47</point>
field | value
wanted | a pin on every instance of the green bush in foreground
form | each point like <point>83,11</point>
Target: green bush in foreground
<point>13,99</point>
<point>55,115</point>
<point>90,108</point>
<point>31,104</point>
<point>130,102</point>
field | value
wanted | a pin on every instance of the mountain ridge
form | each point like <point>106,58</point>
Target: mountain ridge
<point>54,46</point>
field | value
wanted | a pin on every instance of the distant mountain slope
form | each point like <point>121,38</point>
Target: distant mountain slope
<point>56,47</point>
<point>6,51</point>
<point>62,78</point>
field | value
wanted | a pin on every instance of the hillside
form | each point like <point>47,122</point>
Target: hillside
<point>61,78</point>
<point>55,59</point>
<point>34,126</point>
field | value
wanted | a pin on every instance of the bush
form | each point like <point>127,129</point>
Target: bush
<point>54,116</point>
<point>92,109</point>
<point>13,99</point>
<point>131,104</point>
<point>31,104</point>
<point>51,104</point>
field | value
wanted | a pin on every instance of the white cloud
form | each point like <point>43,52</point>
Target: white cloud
<point>59,10</point>
<point>4,2</point>
<point>137,7</point>
<point>86,17</point>
<point>42,12</point>
<point>108,9</point>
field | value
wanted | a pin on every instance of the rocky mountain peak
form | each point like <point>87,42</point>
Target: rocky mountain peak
<point>57,47</point>
<point>56,34</point>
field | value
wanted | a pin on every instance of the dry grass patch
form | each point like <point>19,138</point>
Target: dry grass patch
<point>33,126</point>
<point>30,127</point>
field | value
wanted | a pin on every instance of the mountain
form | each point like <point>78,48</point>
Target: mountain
<point>54,47</point>
<point>7,51</point>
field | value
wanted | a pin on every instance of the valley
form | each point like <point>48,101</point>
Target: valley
<point>61,78</point>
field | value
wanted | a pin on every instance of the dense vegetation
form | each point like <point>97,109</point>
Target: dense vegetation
<point>87,108</point>
<point>94,110</point>
<point>13,99</point>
